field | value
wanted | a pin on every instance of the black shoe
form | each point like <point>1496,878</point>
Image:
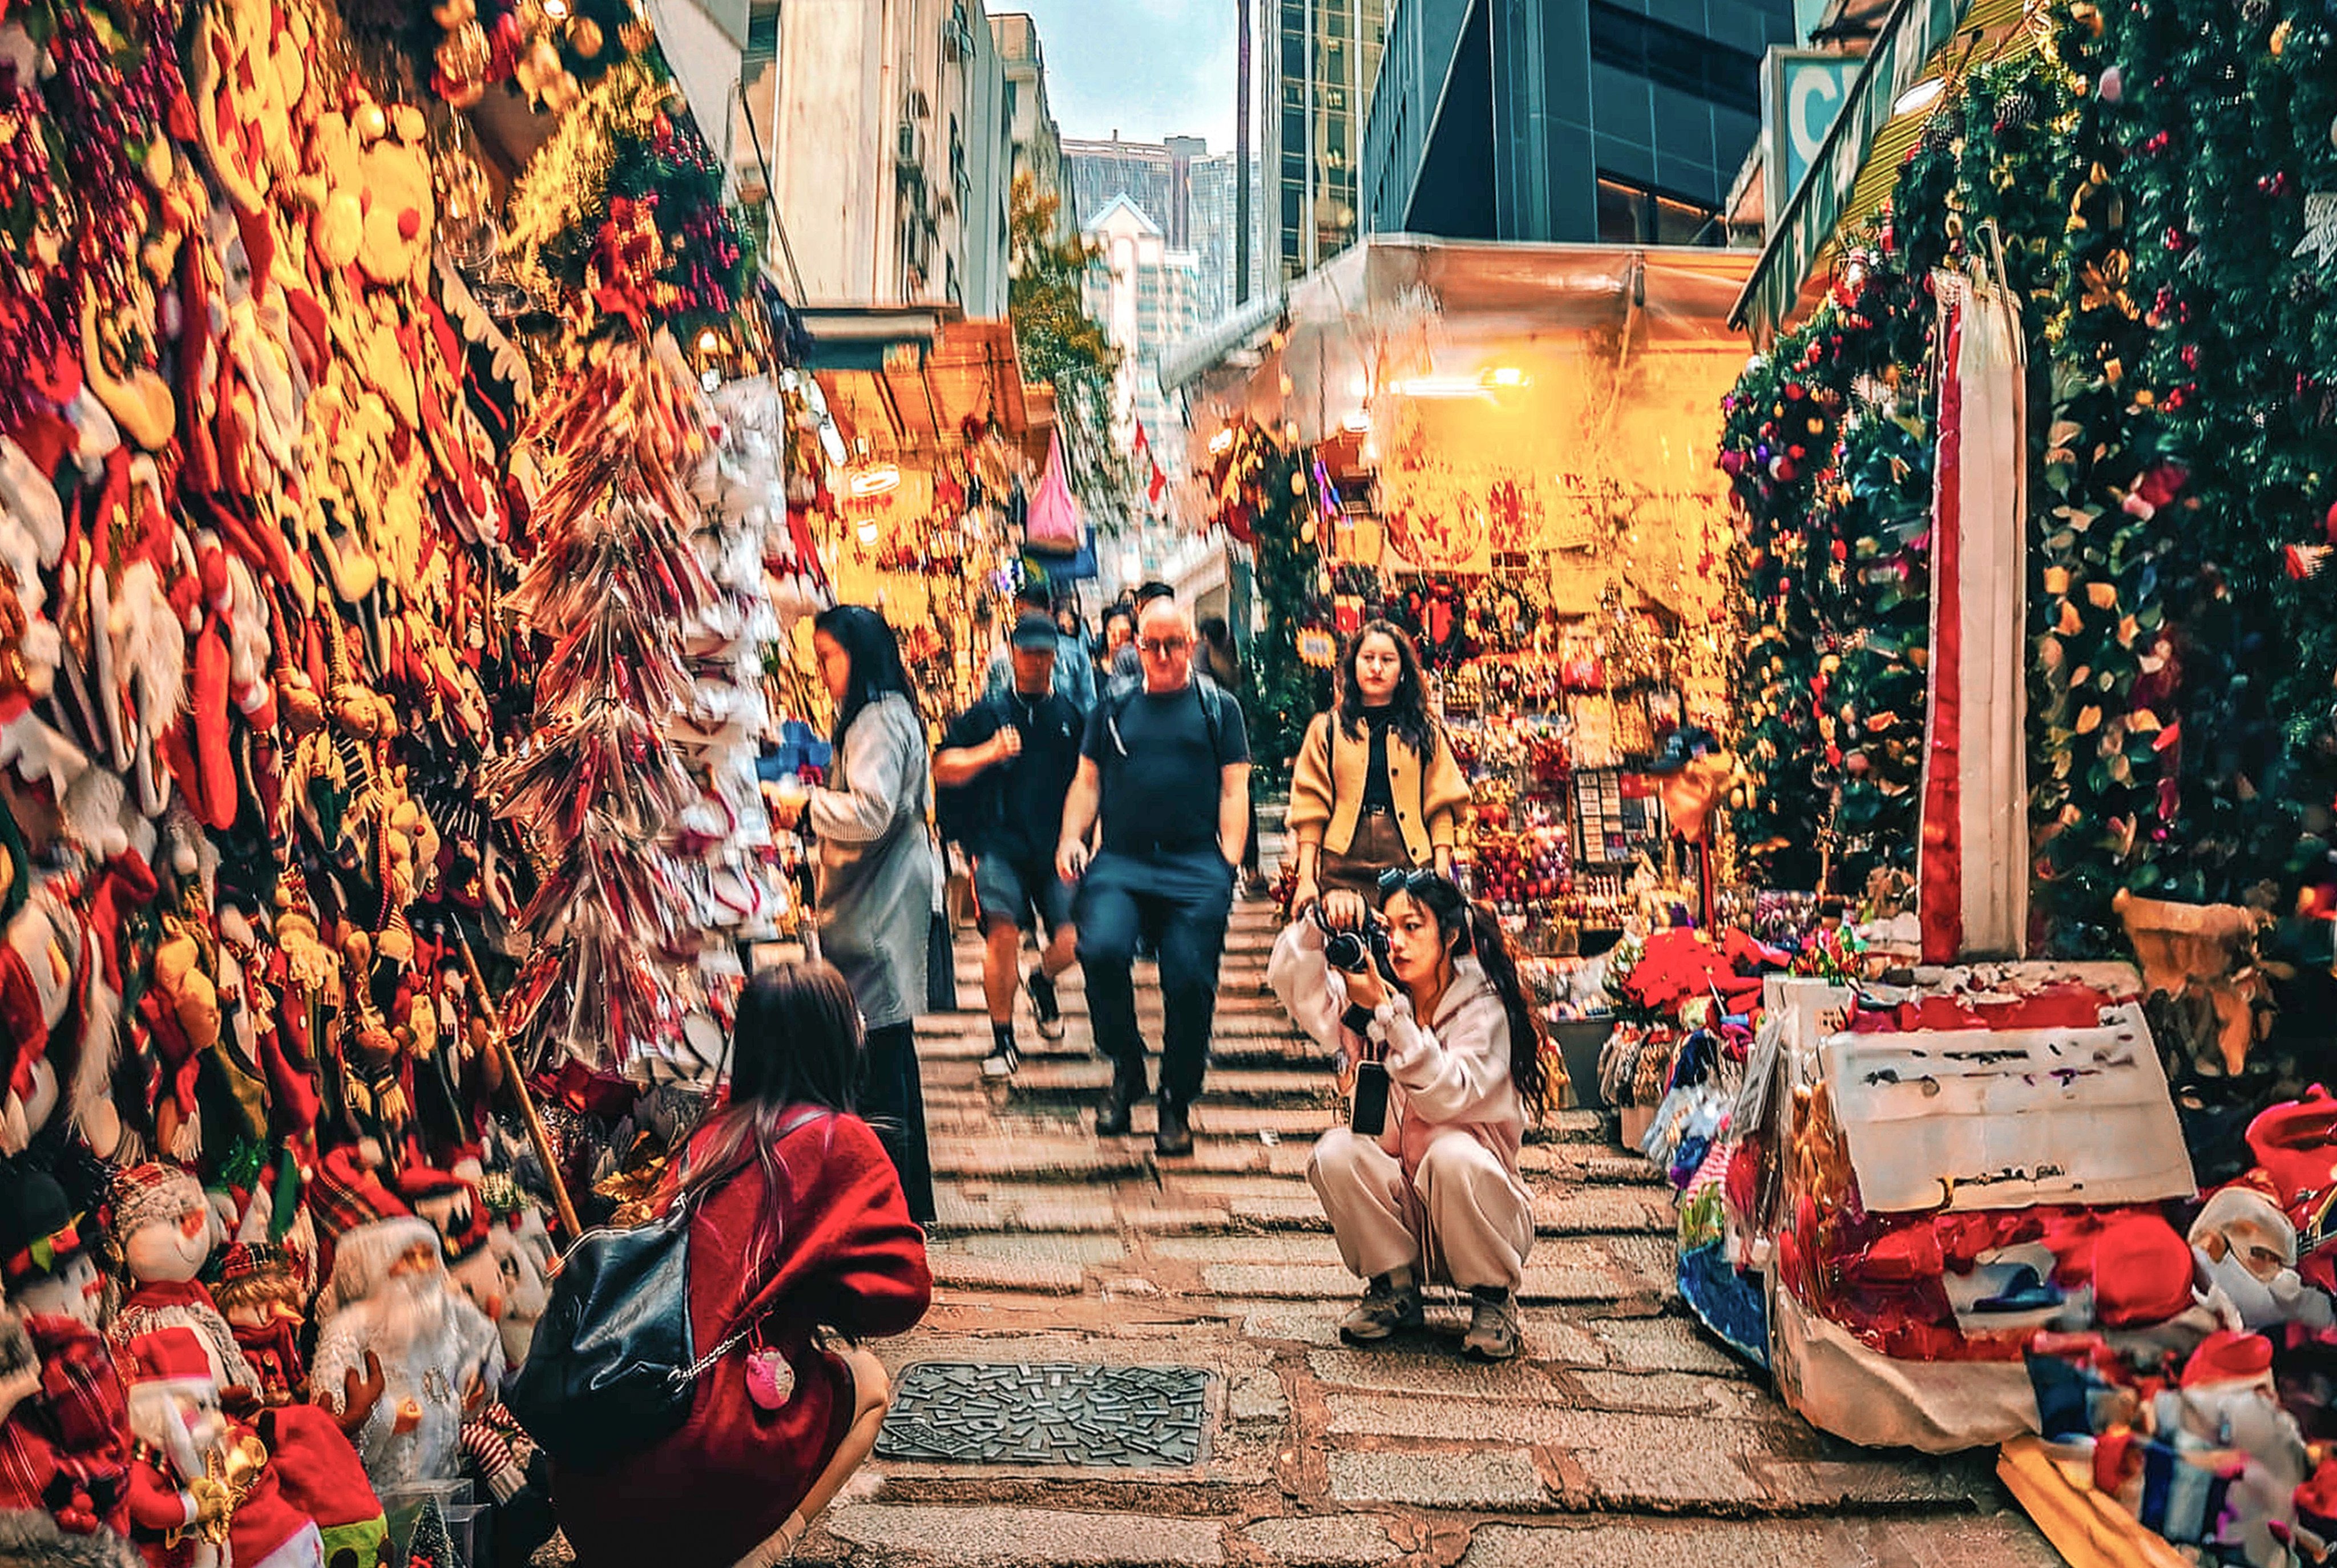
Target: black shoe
<point>1003,1061</point>
<point>1176,1135</point>
<point>1043,1007</point>
<point>1119,1105</point>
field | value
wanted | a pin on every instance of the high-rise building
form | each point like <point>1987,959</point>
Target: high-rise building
<point>1146,295</point>
<point>1590,121</point>
<point>1187,191</point>
<point>1143,171</point>
<point>1216,224</point>
<point>1323,60</point>
<point>1037,141</point>
<point>882,124</point>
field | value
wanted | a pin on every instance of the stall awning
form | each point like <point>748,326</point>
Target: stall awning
<point>907,378</point>
<point>1858,165</point>
<point>1190,358</point>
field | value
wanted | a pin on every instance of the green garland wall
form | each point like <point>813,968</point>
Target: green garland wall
<point>2145,173</point>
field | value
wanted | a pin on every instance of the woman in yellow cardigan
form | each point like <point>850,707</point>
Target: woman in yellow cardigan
<point>1375,784</point>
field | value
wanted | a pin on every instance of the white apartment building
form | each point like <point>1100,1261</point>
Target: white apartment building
<point>1148,296</point>
<point>885,130</point>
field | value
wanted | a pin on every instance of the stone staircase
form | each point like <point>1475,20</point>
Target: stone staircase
<point>1622,1435</point>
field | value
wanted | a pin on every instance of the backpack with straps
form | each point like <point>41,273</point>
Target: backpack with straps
<point>610,1372</point>
<point>1124,691</point>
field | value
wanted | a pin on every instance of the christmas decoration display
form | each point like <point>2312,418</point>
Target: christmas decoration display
<point>601,787</point>
<point>292,478</point>
<point>2176,313</point>
<point>1265,498</point>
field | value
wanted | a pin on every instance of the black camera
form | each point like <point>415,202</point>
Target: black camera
<point>1351,950</point>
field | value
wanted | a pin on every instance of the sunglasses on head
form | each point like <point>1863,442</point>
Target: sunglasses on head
<point>1419,885</point>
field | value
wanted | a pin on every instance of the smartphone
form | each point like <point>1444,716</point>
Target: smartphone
<point>1369,1116</point>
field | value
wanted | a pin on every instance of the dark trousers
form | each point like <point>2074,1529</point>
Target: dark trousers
<point>894,1104</point>
<point>1181,902</point>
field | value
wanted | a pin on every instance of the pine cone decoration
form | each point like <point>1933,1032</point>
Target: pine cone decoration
<point>1938,135</point>
<point>2016,110</point>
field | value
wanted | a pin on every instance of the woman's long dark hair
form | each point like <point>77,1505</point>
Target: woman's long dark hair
<point>868,642</point>
<point>1471,930</point>
<point>797,1043</point>
<point>1408,713</point>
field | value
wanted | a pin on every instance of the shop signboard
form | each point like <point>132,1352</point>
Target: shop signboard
<point>1802,92</point>
<point>1914,32</point>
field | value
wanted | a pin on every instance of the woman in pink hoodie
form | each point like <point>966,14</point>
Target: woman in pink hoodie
<point>1435,1193</point>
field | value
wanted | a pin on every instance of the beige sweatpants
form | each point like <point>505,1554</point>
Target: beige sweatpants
<point>1465,1219</point>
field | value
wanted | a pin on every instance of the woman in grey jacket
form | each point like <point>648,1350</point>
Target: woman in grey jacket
<point>877,871</point>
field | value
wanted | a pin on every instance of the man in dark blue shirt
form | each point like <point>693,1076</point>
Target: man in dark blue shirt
<point>1166,766</point>
<point>1014,753</point>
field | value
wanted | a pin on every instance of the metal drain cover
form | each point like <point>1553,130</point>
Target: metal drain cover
<point>1047,1412</point>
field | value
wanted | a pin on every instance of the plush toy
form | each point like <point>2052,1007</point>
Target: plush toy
<point>403,1355</point>
<point>165,1228</point>
<point>261,1295</point>
<point>47,1254</point>
<point>65,1490</point>
<point>177,1509</point>
<point>225,1479</point>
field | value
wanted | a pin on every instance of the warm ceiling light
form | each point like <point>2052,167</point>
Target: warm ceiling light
<point>556,9</point>
<point>877,481</point>
<point>1505,375</point>
<point>1920,97</point>
<point>709,341</point>
<point>1222,442</point>
<point>867,529</point>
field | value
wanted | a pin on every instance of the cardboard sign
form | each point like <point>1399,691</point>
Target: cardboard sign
<point>2007,1118</point>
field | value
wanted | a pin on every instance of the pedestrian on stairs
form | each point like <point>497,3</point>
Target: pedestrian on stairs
<point>1165,766</point>
<point>878,871</point>
<point>1002,774</point>
<point>1436,1195</point>
<point>1375,784</point>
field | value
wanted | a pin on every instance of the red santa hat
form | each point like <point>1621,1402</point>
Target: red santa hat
<point>2316,1500</point>
<point>173,1357</point>
<point>451,1204</point>
<point>2225,1357</point>
<point>2142,1272</point>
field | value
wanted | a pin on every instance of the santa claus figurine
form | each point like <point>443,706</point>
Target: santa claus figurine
<point>166,1229</point>
<point>178,1502</point>
<point>236,1500</point>
<point>2225,1406</point>
<point>260,1295</point>
<point>403,1355</point>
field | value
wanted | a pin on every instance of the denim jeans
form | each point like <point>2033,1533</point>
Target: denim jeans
<point>1182,901</point>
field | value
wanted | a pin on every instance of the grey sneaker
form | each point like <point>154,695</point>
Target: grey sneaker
<point>1391,1302</point>
<point>1493,1329</point>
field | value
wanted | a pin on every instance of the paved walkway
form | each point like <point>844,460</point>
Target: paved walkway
<point>1622,1437</point>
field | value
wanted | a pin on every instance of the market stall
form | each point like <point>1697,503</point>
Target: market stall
<point>405,501</point>
<point>2024,472</point>
<point>1506,450</point>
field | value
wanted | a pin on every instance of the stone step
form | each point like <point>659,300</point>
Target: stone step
<point>1212,1118</point>
<point>1083,1082</point>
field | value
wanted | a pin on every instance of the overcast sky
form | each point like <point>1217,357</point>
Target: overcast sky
<point>1150,68</point>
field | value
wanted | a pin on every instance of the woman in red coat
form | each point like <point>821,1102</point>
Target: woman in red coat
<point>799,1224</point>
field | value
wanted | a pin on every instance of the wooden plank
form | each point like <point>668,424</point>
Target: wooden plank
<point>2087,1526</point>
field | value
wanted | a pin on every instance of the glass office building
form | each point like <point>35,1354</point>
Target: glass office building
<point>1618,122</point>
<point>1323,57</point>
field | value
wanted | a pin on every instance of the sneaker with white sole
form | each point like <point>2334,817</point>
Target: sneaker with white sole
<point>1002,1062</point>
<point>1391,1304</point>
<point>1044,1007</point>
<point>1493,1328</point>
